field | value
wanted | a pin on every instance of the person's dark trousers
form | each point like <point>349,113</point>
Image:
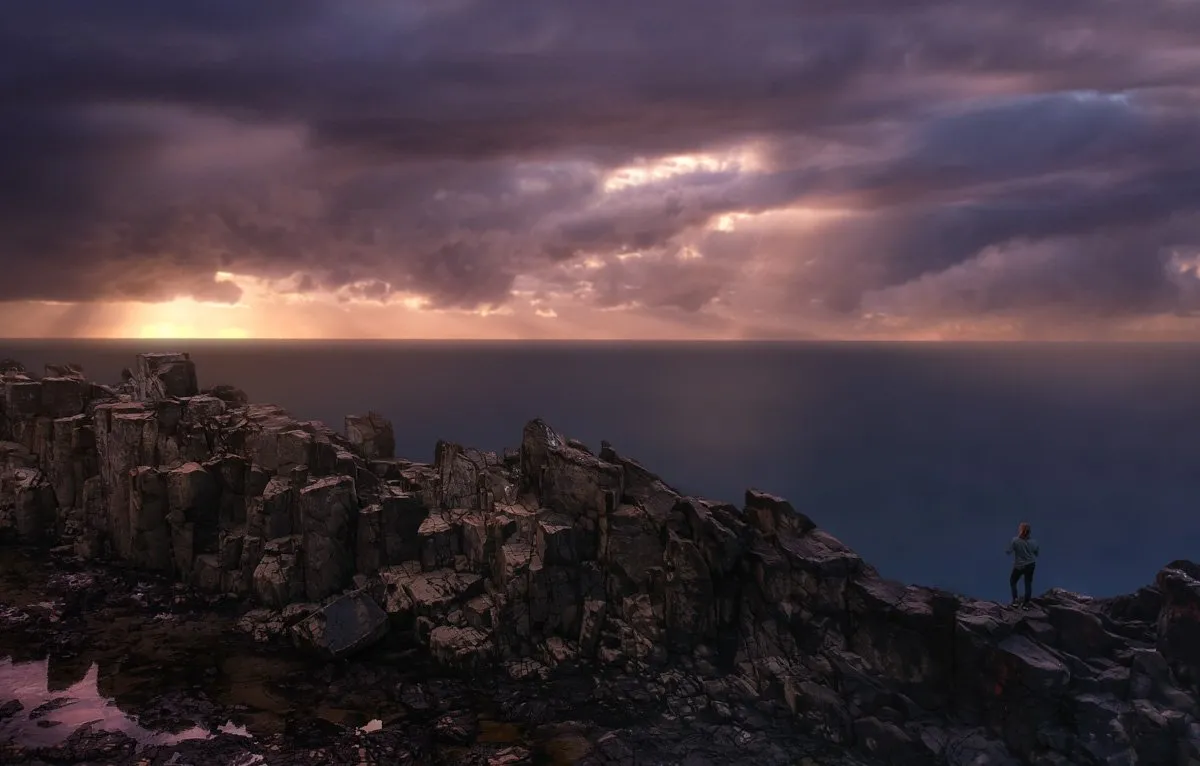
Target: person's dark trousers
<point>1017,574</point>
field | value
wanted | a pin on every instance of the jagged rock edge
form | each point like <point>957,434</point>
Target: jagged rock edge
<point>508,561</point>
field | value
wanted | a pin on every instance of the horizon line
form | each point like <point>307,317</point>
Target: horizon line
<point>632,341</point>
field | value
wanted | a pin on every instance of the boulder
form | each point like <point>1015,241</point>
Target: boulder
<point>346,625</point>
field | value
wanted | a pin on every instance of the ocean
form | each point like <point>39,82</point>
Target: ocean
<point>922,457</point>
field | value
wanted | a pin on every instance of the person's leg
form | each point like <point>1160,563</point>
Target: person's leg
<point>1012,583</point>
<point>1029,582</point>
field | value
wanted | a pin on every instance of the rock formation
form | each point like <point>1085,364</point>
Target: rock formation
<point>554,559</point>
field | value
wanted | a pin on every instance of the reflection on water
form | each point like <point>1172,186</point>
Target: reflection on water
<point>190,679</point>
<point>49,715</point>
<point>51,708</point>
<point>165,678</point>
<point>57,695</point>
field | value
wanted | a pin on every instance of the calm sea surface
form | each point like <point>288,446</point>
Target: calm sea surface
<point>922,457</point>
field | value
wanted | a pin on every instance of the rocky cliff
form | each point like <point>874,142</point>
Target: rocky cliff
<point>554,559</point>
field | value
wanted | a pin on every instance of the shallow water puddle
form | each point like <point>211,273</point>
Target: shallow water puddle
<point>48,717</point>
<point>370,726</point>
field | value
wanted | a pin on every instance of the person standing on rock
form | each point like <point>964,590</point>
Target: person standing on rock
<point>1024,550</point>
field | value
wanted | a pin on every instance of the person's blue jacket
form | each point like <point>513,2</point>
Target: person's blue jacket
<point>1024,551</point>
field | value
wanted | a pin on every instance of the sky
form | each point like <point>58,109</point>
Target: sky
<point>667,169</point>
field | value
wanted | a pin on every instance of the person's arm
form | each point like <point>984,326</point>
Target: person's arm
<point>1036,550</point>
<point>1009,550</point>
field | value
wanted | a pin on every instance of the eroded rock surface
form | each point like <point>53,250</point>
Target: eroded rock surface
<point>552,561</point>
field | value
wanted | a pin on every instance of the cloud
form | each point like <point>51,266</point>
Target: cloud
<point>743,168</point>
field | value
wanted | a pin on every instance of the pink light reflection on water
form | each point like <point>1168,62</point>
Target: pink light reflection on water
<point>27,682</point>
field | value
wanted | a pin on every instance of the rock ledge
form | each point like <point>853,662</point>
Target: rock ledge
<point>553,559</point>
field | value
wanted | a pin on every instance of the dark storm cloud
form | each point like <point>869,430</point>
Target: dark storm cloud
<point>1099,188</point>
<point>1000,157</point>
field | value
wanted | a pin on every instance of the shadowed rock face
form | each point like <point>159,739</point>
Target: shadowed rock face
<point>552,557</point>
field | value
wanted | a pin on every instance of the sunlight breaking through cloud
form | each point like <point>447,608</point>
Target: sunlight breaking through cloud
<point>649,171</point>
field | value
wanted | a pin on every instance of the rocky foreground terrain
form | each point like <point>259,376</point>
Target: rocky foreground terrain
<point>570,583</point>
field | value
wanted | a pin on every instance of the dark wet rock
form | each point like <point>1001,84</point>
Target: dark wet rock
<point>313,732</point>
<point>44,709</point>
<point>510,756</point>
<point>10,708</point>
<point>346,625</point>
<point>220,748</point>
<point>88,744</point>
<point>568,580</point>
<point>415,697</point>
<point>269,625</point>
<point>456,728</point>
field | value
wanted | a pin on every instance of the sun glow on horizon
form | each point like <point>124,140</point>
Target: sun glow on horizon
<point>186,318</point>
<point>168,331</point>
